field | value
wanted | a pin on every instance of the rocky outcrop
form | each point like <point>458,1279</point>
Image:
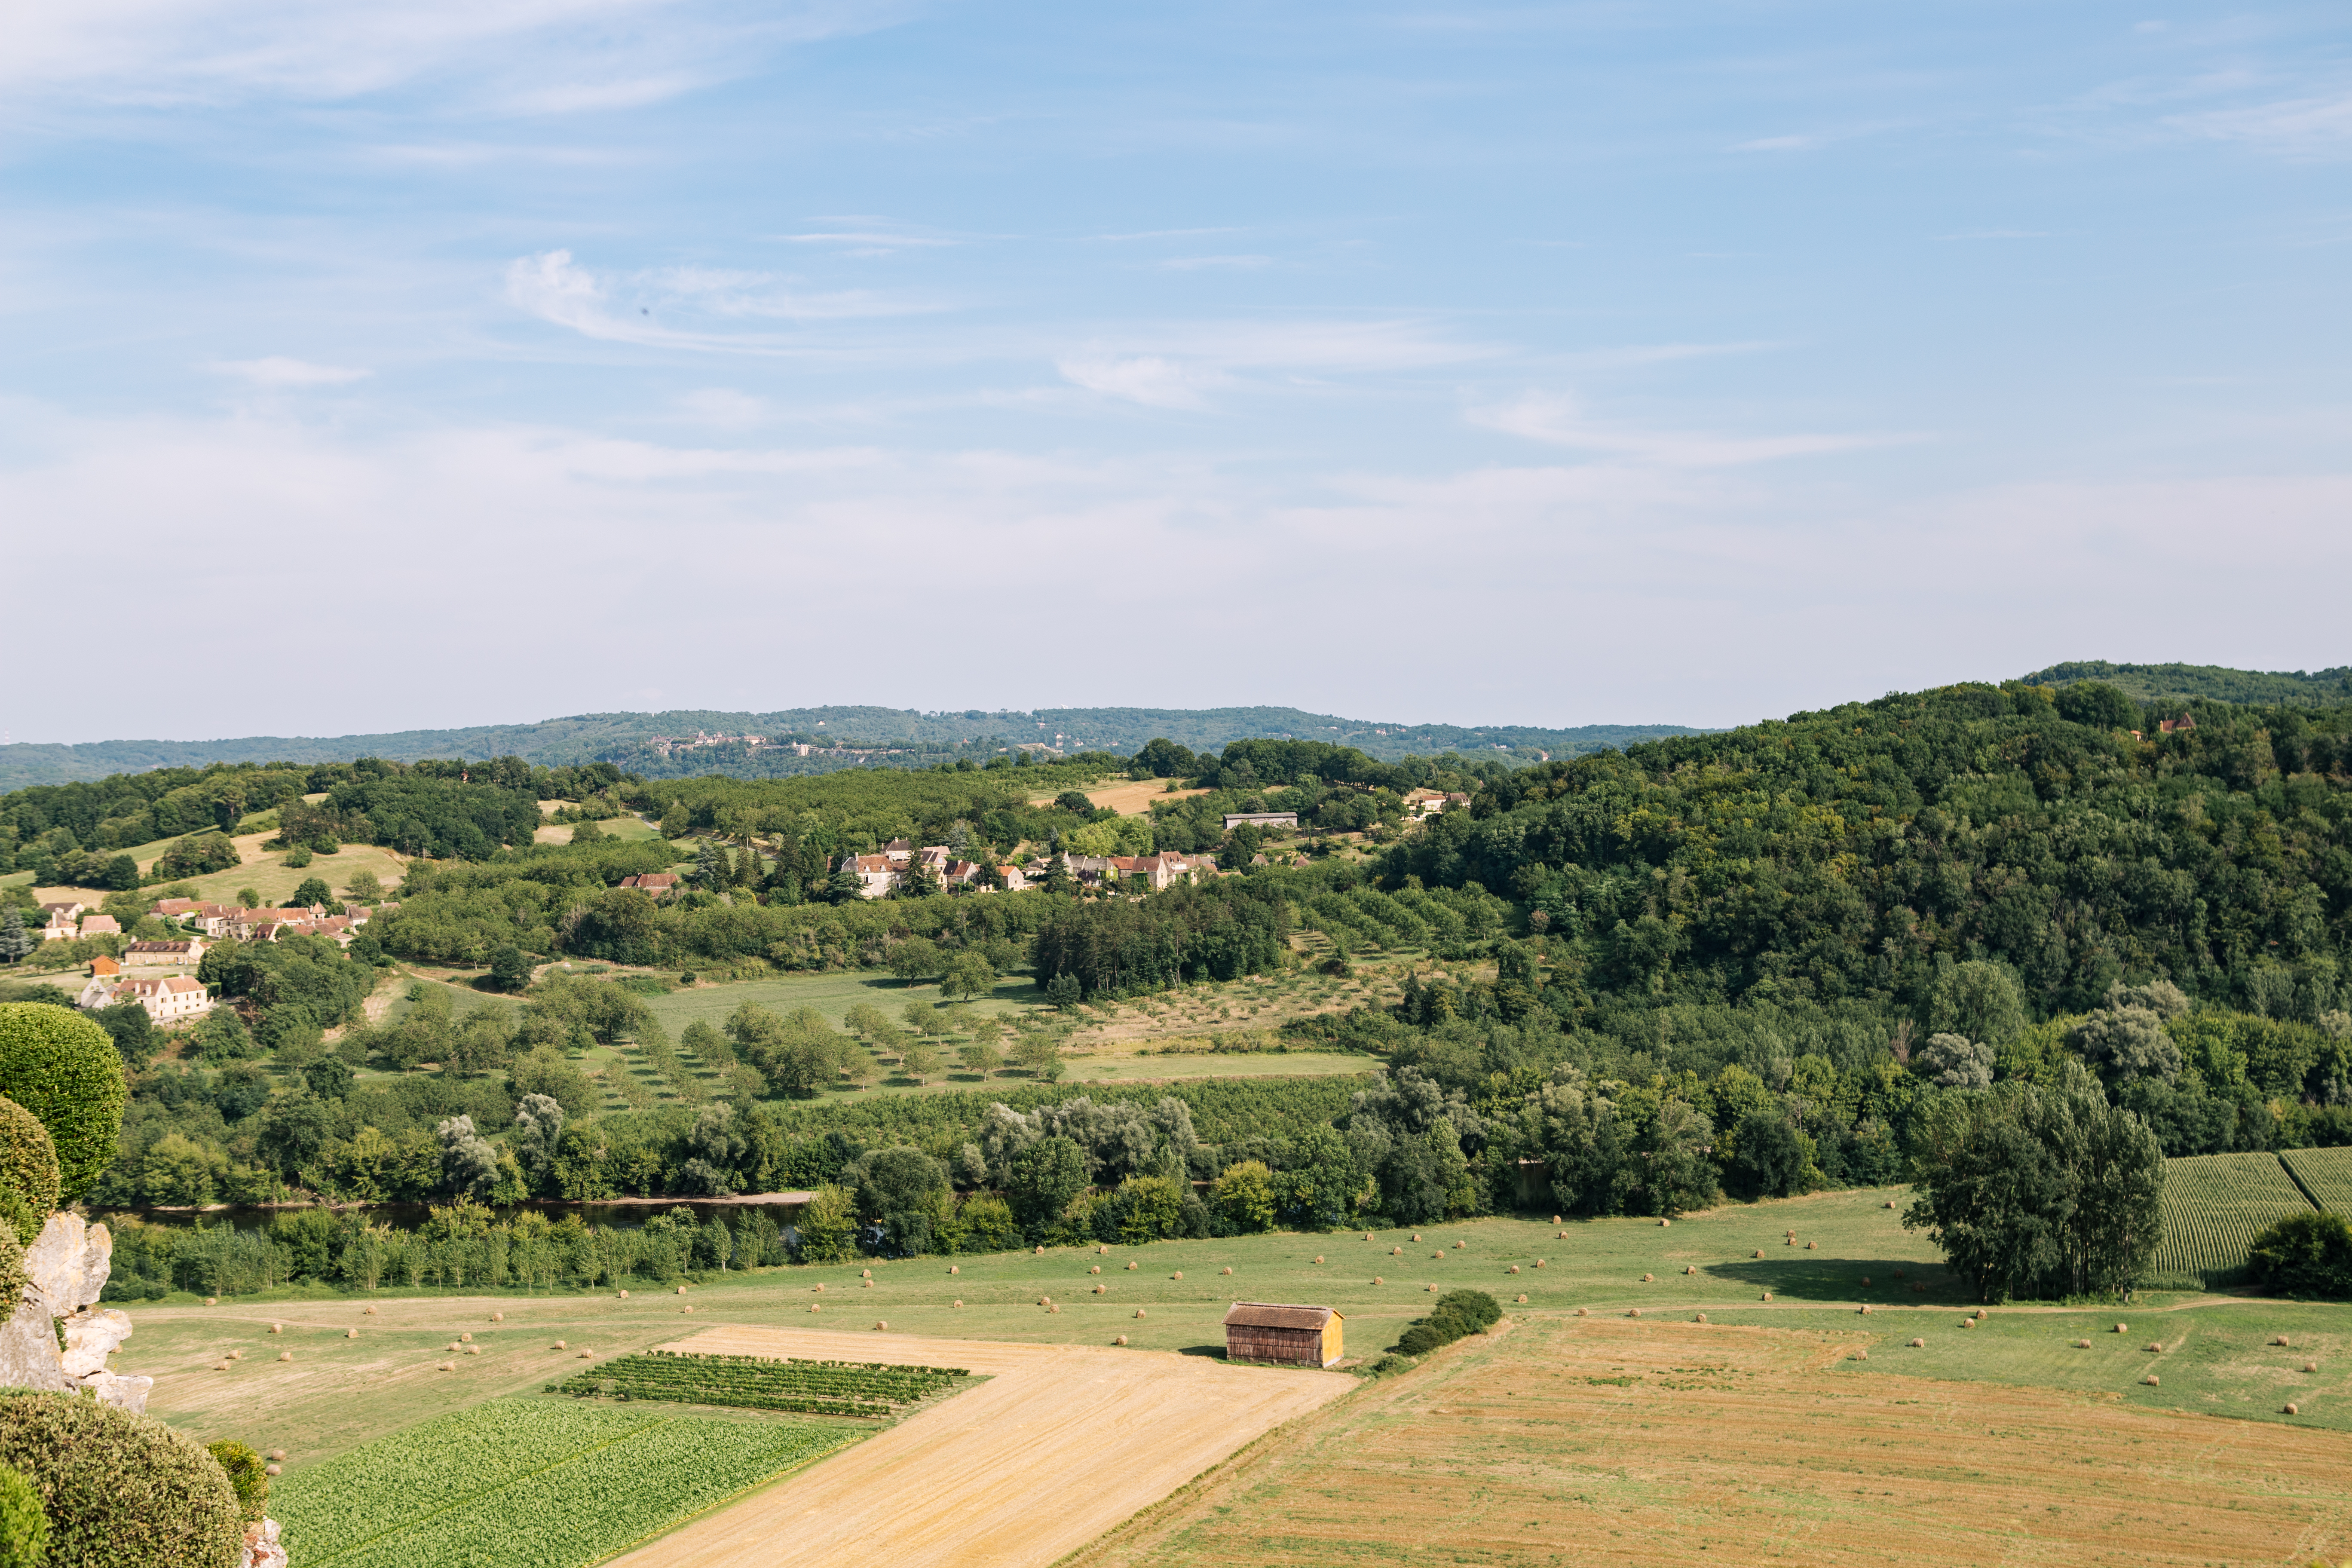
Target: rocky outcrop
<point>67,1266</point>
<point>261,1548</point>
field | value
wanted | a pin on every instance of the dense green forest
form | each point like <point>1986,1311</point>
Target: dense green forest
<point>2169,685</point>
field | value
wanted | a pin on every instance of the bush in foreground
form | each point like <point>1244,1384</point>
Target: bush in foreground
<point>24,1528</point>
<point>2304,1255</point>
<point>28,1171</point>
<point>121,1491</point>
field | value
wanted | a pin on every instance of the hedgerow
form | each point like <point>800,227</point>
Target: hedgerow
<point>763,1382</point>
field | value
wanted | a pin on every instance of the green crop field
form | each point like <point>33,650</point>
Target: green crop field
<point>2326,1174</point>
<point>532,1483</point>
<point>763,1382</point>
<point>2214,1206</point>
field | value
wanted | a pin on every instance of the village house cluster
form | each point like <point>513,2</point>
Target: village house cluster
<point>168,989</point>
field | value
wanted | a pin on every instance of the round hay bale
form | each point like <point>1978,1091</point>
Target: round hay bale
<point>814,1307</point>
<point>1096,1270</point>
<point>1649,1279</point>
<point>1523,1297</point>
<point>220,1366</point>
<point>2151,1380</point>
<point>1132,1264</point>
<point>446,1366</point>
<point>1866,1278</point>
<point>1044,1300</point>
<point>959,1300</point>
<point>2291,1410</point>
<point>1396,1252</point>
<point>2280,1341</point>
<point>1318,1257</point>
<point>1368,1236</point>
<point>1041,1252</point>
<point>1139,1312</point>
<point>1416,1235</point>
<point>276,1328</point>
<point>1890,1202</point>
<point>1967,1322</point>
<point>1861,1355</point>
<point>1984,1311</point>
<point>625,1295</point>
<point>1555,1219</point>
<point>1099,1289</point>
<point>497,1317</point>
<point>473,1350</point>
<point>820,1288</point>
<point>1811,1245</point>
<point>1918,1344</point>
<point>212,1300</point>
<point>272,1469</point>
<point>1559,1235</point>
<point>350,1333</point>
<point>1459,1245</point>
<point>1054,1308</point>
<point>561,1345</point>
<point>1178,1275</point>
<point>284,1355</point>
<point>2153,1348</point>
<point>1514,1269</point>
<point>275,1455</point>
<point>1432,1290</point>
<point>1227,1269</point>
<point>866,1284</point>
<point>1634,1312</point>
<point>1700,1318</point>
<point>1690,1268</point>
<point>587,1355</point>
<point>1663,1223</point>
<point>1864,1308</point>
<point>862,1273</point>
<point>956,1268</point>
<point>1102,1252</point>
<point>685,1308</point>
<point>1582,1312</point>
<point>465,1339</point>
<point>881,1323</point>
<point>1378,1281</point>
<point>1539,1263</point>
<point>450,1346</point>
<point>681,1290</point>
<point>2311,1366</point>
<point>1437,1257</point>
<point>237,1355</point>
<point>1760,1252</point>
<point>1121,1339</point>
<point>2121,1327</point>
<point>1767,1296</point>
<point>2082,1344</point>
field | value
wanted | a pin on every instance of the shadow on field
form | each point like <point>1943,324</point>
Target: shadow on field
<point>1214,1352</point>
<point>1813,1278</point>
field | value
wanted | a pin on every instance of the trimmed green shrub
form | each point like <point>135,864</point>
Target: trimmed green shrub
<point>65,1070</point>
<point>24,1528</point>
<point>28,1171</point>
<point>2304,1255</point>
<point>246,1474</point>
<point>121,1491</point>
<point>12,1275</point>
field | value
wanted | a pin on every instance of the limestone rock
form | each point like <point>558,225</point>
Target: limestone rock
<point>113,1388</point>
<point>28,1351</point>
<point>261,1548</point>
<point>68,1263</point>
<point>91,1337</point>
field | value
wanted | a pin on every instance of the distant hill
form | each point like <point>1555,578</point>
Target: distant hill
<point>839,737</point>
<point>2176,682</point>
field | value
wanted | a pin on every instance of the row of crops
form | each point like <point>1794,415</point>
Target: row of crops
<point>530,1484</point>
<point>2215,1205</point>
<point>765,1382</point>
<point>1412,919</point>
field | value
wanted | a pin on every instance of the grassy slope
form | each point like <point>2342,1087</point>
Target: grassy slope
<point>340,1392</point>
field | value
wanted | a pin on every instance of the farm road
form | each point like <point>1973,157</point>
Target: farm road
<point>1060,1443</point>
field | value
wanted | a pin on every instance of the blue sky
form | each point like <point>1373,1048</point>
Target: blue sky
<point>471,361</point>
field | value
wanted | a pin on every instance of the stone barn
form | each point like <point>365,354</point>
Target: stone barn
<point>1290,1335</point>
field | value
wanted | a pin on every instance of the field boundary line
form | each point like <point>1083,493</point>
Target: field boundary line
<point>2296,1177</point>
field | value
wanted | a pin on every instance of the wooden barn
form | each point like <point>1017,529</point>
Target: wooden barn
<point>1293,1336</point>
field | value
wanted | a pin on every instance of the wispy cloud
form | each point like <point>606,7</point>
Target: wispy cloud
<point>556,288</point>
<point>1208,263</point>
<point>2301,128</point>
<point>872,237</point>
<point>1560,420</point>
<point>279,371</point>
<point>1148,379</point>
<point>1176,366</point>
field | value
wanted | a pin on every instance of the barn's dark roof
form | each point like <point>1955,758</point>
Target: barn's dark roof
<point>1274,1315</point>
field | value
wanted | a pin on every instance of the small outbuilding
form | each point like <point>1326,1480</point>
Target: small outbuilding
<point>1287,1335</point>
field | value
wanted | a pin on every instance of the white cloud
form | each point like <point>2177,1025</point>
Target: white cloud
<point>2317,127</point>
<point>555,287</point>
<point>1560,420</point>
<point>1147,379</point>
<point>523,57</point>
<point>277,370</point>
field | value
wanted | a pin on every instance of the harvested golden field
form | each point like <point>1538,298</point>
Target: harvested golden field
<point>1130,797</point>
<point>1060,1445</point>
<point>1602,1441</point>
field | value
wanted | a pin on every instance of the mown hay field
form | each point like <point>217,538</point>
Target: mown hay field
<point>2214,1206</point>
<point>1608,1441</point>
<point>521,1483</point>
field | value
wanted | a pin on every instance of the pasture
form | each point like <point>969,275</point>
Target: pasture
<point>1129,797</point>
<point>264,870</point>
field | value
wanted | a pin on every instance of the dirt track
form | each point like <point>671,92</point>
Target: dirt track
<point>1060,1445</point>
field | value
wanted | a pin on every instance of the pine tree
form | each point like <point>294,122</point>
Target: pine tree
<point>16,942</point>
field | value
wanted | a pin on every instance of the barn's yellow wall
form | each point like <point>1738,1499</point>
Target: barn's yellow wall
<point>1333,1340</point>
